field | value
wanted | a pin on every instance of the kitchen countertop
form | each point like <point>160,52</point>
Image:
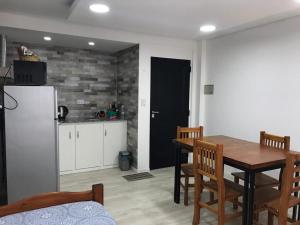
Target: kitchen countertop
<point>87,120</point>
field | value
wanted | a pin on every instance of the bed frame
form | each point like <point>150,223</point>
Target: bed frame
<point>52,199</point>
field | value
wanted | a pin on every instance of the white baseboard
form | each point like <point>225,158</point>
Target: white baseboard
<point>139,170</point>
<point>88,169</point>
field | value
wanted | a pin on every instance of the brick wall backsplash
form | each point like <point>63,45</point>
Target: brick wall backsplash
<point>127,89</point>
<point>85,79</point>
<point>88,81</point>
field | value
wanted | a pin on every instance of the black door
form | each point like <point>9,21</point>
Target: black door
<point>170,82</point>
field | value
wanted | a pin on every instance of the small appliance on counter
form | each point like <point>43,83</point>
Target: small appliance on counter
<point>112,112</point>
<point>100,115</point>
<point>62,113</point>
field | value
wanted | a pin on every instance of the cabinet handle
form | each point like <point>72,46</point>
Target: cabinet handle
<point>77,134</point>
<point>105,132</point>
<point>70,135</point>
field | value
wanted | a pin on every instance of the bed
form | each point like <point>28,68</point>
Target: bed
<point>59,208</point>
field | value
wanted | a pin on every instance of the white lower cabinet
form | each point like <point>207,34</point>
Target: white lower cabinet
<point>66,148</point>
<point>90,146</point>
<point>115,140</point>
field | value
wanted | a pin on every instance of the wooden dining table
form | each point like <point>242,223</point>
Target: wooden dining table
<point>247,156</point>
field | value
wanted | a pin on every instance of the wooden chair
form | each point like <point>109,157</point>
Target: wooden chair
<point>286,198</point>
<point>262,180</point>
<point>187,168</point>
<point>208,163</point>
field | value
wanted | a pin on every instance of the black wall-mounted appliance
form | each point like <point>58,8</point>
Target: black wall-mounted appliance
<point>30,73</point>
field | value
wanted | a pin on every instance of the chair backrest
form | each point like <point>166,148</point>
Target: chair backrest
<point>275,141</point>
<point>290,185</point>
<point>187,132</point>
<point>208,160</point>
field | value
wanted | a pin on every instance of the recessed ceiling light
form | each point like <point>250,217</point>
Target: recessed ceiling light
<point>298,1</point>
<point>207,28</point>
<point>91,43</point>
<point>47,38</point>
<point>99,8</point>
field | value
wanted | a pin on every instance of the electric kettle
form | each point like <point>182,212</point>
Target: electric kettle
<point>62,113</point>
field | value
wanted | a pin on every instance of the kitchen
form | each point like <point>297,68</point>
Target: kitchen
<point>97,83</point>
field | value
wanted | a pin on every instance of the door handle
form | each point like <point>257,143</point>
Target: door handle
<point>153,113</point>
<point>105,132</point>
<point>77,134</point>
<point>70,135</point>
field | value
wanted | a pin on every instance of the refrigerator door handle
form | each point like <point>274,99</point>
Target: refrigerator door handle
<point>56,140</point>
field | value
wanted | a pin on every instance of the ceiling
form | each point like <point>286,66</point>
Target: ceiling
<point>173,18</point>
<point>47,8</point>
<point>35,37</point>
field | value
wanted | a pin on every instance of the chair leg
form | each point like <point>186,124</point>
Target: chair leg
<point>221,212</point>
<point>197,197</point>
<point>186,190</point>
<point>256,216</point>
<point>221,220</point>
<point>201,188</point>
<point>211,196</point>
<point>221,205</point>
<point>270,218</point>
<point>235,201</point>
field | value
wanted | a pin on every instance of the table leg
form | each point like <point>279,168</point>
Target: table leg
<point>248,198</point>
<point>177,174</point>
<point>245,198</point>
<point>251,197</point>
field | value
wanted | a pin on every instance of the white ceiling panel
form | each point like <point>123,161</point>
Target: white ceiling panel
<point>45,8</point>
<point>179,18</point>
<point>35,37</point>
<point>173,18</point>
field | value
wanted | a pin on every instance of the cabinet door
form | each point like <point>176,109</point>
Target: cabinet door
<point>115,140</point>
<point>66,147</point>
<point>89,145</point>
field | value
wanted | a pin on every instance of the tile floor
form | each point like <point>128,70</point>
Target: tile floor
<point>144,202</point>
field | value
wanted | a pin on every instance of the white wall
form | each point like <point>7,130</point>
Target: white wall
<point>256,74</point>
<point>149,46</point>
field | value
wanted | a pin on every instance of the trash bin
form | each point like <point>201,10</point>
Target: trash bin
<point>124,160</point>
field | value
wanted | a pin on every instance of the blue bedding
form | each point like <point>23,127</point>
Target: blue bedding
<point>79,213</point>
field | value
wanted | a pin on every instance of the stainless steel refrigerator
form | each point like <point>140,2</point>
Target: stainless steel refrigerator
<point>31,141</point>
